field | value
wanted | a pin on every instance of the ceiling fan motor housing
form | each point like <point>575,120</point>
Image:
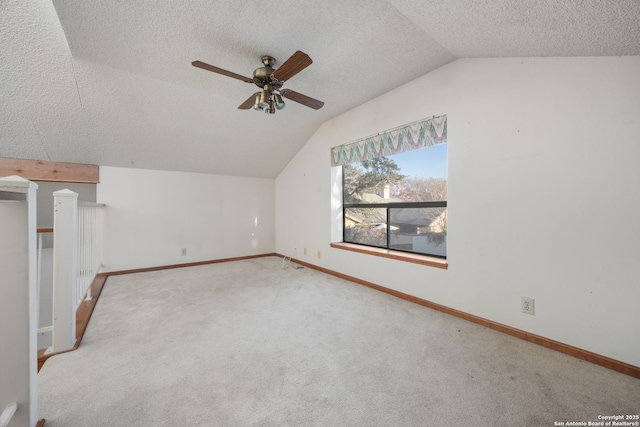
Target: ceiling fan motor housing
<point>264,75</point>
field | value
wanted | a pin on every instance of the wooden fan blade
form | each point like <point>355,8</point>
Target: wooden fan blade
<point>302,99</point>
<point>292,66</point>
<point>211,68</point>
<point>249,103</point>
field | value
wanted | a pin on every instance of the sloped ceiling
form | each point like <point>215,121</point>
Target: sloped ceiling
<point>111,82</point>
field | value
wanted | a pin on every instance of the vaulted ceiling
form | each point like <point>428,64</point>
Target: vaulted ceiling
<point>111,82</point>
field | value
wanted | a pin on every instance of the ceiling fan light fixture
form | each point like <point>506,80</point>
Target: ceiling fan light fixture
<point>256,105</point>
<point>272,107</point>
<point>264,99</point>
<point>279,103</point>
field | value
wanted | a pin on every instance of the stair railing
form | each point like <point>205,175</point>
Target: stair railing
<point>77,258</point>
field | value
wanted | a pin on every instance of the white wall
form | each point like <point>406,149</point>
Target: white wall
<point>151,215</point>
<point>543,195</point>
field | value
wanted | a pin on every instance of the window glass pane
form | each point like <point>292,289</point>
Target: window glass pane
<point>366,226</point>
<point>419,230</point>
<point>412,176</point>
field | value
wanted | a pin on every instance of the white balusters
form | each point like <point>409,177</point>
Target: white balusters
<point>89,247</point>
<point>77,258</point>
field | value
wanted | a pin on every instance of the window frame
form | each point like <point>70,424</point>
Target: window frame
<point>387,207</point>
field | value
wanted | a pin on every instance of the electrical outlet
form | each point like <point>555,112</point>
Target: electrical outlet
<point>305,251</point>
<point>527,305</point>
<point>184,251</point>
<point>319,254</point>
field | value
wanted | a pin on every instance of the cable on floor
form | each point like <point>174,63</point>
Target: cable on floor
<point>286,263</point>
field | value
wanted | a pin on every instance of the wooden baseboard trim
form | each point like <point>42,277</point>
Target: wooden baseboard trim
<point>188,264</point>
<point>84,312</point>
<point>83,315</point>
<point>576,352</point>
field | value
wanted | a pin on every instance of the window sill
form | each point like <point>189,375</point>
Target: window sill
<point>398,256</point>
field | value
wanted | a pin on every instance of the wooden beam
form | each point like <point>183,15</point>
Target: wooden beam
<point>40,170</point>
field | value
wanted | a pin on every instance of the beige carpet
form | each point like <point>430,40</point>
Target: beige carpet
<point>248,343</point>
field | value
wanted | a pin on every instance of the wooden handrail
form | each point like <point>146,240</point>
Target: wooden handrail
<point>45,229</point>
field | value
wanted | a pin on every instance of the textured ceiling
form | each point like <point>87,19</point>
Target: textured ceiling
<point>111,83</point>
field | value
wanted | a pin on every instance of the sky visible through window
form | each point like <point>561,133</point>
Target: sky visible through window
<point>427,162</point>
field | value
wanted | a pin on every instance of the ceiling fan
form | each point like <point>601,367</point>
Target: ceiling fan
<point>270,81</point>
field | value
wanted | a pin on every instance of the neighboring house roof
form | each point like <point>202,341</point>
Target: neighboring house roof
<point>376,198</point>
<point>413,217</point>
<point>401,216</point>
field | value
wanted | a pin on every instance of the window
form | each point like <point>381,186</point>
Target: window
<point>398,200</point>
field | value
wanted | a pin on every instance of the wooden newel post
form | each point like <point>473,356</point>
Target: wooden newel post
<point>65,247</point>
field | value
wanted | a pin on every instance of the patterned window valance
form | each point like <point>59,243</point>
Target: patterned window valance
<point>423,133</point>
